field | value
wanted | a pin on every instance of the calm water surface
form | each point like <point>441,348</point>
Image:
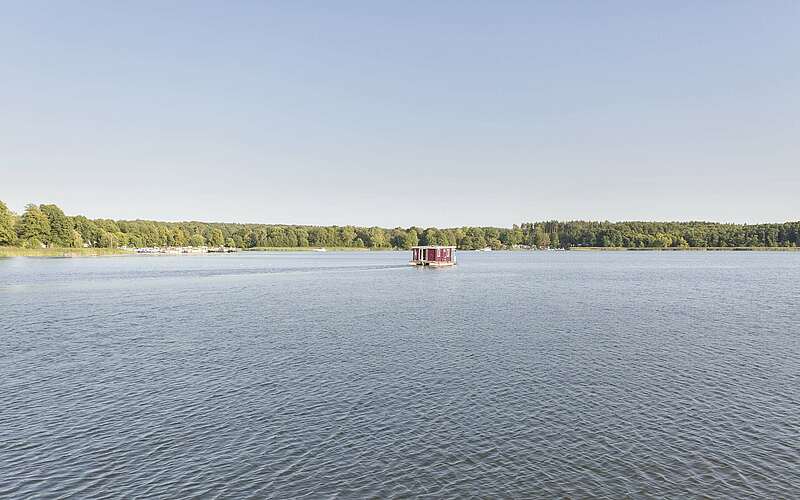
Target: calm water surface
<point>353,375</point>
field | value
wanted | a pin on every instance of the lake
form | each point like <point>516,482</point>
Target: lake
<point>354,375</point>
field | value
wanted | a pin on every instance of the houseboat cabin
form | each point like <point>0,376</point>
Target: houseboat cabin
<point>433,256</point>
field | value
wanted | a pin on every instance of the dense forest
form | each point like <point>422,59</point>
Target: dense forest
<point>47,226</point>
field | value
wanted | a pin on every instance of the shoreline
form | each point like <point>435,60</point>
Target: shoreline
<point>686,249</point>
<point>8,252</point>
<point>314,249</point>
<point>61,252</point>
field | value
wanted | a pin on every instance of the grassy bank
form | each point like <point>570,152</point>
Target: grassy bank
<point>311,249</point>
<point>690,249</point>
<point>59,252</point>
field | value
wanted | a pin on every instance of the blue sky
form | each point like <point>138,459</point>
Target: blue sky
<point>402,113</point>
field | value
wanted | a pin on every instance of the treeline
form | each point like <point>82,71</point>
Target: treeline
<point>661,234</point>
<point>47,226</point>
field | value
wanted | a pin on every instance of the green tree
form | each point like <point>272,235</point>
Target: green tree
<point>348,236</point>
<point>178,237</point>
<point>541,239</point>
<point>7,234</point>
<point>398,238</point>
<point>107,240</point>
<point>662,240</point>
<point>513,237</point>
<point>196,240</point>
<point>377,238</point>
<point>217,238</point>
<point>88,230</point>
<point>411,239</point>
<point>430,236</point>
<point>317,236</point>
<point>291,237</point>
<point>473,239</point>
<point>555,241</point>
<point>60,226</point>
<point>77,240</point>
<point>302,237</point>
<point>34,225</point>
<point>276,237</point>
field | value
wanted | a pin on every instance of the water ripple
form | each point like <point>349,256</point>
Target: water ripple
<point>511,377</point>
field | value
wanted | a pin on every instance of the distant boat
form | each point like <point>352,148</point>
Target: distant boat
<point>486,249</point>
<point>320,250</point>
<point>434,256</point>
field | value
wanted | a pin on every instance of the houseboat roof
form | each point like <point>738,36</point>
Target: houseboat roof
<point>435,246</point>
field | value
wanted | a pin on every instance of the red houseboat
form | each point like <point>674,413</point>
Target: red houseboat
<point>436,256</point>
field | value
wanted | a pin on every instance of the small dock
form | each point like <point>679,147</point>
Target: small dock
<point>434,256</point>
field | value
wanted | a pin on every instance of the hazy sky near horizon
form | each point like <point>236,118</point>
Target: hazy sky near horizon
<point>402,113</point>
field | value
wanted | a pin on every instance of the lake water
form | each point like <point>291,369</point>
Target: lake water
<point>354,375</point>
